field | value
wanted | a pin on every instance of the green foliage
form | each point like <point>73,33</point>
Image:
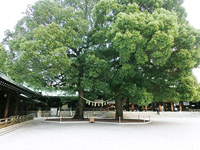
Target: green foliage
<point>143,97</point>
<point>2,58</point>
<point>51,35</point>
<point>65,100</point>
<point>152,5</point>
<point>49,50</point>
<point>136,94</point>
<point>189,88</point>
<point>152,48</point>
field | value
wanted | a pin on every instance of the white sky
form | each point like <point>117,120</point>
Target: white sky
<point>193,12</point>
<point>11,12</point>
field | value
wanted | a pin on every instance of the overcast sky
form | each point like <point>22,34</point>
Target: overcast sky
<point>11,12</point>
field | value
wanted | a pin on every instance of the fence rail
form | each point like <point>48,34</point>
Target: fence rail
<point>194,110</point>
<point>16,119</point>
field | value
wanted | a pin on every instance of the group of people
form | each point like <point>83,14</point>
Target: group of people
<point>158,109</point>
<point>162,109</point>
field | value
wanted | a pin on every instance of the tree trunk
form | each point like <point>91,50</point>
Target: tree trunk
<point>160,108</point>
<point>132,107</point>
<point>119,108</point>
<point>80,106</point>
<point>180,106</point>
<point>145,108</point>
<point>172,106</point>
<point>127,105</point>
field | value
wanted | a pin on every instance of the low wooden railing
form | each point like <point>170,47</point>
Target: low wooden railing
<point>194,110</point>
<point>15,119</point>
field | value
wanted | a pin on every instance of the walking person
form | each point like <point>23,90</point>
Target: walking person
<point>162,108</point>
<point>158,110</point>
<point>136,107</point>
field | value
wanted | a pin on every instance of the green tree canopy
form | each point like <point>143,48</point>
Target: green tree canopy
<point>149,51</point>
<point>50,46</point>
<point>3,57</point>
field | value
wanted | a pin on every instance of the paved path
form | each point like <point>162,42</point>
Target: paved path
<point>161,134</point>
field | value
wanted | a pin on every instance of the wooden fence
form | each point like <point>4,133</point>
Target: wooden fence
<point>15,119</point>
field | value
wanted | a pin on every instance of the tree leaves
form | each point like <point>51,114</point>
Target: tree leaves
<point>3,57</point>
<point>146,46</point>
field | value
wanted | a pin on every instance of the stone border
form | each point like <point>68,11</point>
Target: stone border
<point>63,122</point>
<point>98,122</point>
<point>136,123</point>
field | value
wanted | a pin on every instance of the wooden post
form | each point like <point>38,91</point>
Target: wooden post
<point>21,112</point>
<point>120,120</point>
<point>17,104</point>
<point>145,107</point>
<point>7,105</point>
<point>180,106</point>
<point>91,120</point>
<point>172,106</point>
<point>60,118</point>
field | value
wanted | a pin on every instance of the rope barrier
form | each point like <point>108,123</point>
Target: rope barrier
<point>93,103</point>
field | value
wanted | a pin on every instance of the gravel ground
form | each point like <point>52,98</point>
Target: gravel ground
<point>161,134</point>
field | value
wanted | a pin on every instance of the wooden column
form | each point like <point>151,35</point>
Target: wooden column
<point>33,107</point>
<point>17,105</point>
<point>21,108</point>
<point>7,105</point>
<point>172,106</point>
<point>27,106</point>
<point>180,106</point>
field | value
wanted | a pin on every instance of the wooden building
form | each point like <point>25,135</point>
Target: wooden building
<point>16,99</point>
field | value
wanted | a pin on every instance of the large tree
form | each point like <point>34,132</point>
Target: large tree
<point>150,49</point>
<point>50,46</point>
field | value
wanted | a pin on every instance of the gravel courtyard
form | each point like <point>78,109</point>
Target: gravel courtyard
<point>160,134</point>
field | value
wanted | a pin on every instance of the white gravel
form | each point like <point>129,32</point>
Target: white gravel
<point>161,134</point>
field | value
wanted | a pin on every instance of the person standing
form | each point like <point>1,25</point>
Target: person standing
<point>158,110</point>
<point>162,108</point>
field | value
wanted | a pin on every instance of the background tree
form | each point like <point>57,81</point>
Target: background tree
<point>188,89</point>
<point>3,56</point>
<point>50,44</point>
